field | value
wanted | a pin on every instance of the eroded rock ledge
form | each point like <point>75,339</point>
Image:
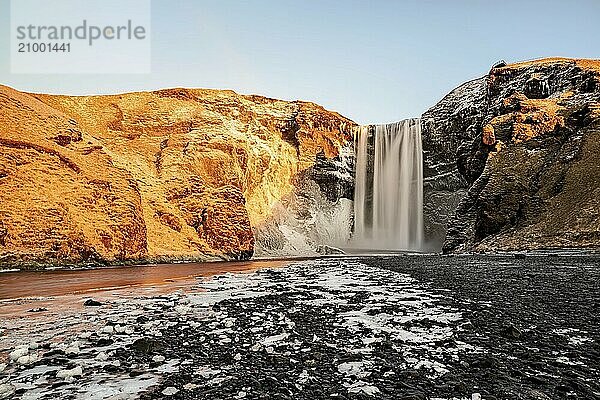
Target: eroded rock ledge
<point>175,174</point>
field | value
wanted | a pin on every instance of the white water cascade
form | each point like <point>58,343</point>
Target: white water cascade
<point>388,194</point>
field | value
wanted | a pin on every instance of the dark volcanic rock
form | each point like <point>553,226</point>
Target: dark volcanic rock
<point>450,135</point>
<point>322,198</point>
<point>145,345</point>
<point>92,303</point>
<point>335,176</point>
<point>39,309</point>
<point>533,320</point>
<point>523,144</point>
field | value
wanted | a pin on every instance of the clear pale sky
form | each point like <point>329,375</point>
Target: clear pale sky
<point>372,61</point>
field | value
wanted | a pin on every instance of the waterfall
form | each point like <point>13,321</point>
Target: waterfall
<point>388,195</point>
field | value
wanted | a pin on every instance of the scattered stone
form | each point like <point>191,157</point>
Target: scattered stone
<point>145,345</point>
<point>36,310</point>
<point>73,348</point>
<point>181,309</point>
<point>108,329</point>
<point>275,339</point>
<point>363,387</point>
<point>158,359</point>
<point>27,359</point>
<point>256,347</point>
<point>229,322</point>
<point>136,372</point>
<point>170,391</point>
<point>207,372</point>
<point>6,390</point>
<point>328,250</point>
<point>303,377</point>
<point>19,352</point>
<point>225,340</point>
<point>355,368</point>
<point>190,386</point>
<point>512,332</point>
<point>85,335</point>
<point>92,303</point>
<point>102,356</point>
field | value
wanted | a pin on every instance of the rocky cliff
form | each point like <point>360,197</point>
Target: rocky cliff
<point>512,160</point>
<point>165,175</point>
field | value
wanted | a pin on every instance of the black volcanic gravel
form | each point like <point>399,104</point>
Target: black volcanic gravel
<point>401,327</point>
<point>536,319</point>
<point>528,313</point>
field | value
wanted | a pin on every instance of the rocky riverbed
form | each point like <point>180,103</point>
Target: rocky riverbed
<point>402,327</point>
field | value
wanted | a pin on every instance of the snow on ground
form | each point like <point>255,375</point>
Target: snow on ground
<point>78,353</point>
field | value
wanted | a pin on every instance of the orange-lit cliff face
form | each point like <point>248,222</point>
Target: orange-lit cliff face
<point>176,173</point>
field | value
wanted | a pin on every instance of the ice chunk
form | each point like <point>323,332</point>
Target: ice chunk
<point>18,353</point>
<point>353,368</point>
<point>274,339</point>
<point>363,387</point>
<point>170,391</point>
<point>70,373</point>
